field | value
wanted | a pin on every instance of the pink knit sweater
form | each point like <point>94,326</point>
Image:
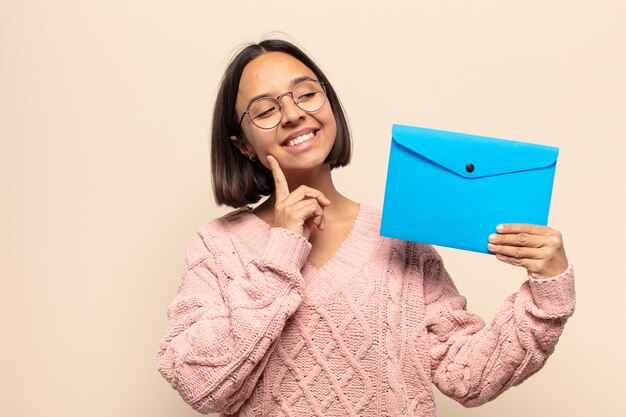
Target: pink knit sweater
<point>255,330</point>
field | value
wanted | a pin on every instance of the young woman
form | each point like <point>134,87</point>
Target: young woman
<point>298,307</point>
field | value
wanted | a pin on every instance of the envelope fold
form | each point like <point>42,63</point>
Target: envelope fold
<point>489,156</point>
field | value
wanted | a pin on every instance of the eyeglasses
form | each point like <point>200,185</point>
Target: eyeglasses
<point>267,112</point>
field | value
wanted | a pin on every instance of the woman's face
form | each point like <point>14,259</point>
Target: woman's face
<point>273,74</point>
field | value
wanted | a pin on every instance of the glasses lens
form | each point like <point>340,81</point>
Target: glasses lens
<point>265,112</point>
<point>309,95</point>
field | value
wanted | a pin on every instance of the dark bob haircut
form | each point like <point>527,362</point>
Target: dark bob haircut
<point>238,181</point>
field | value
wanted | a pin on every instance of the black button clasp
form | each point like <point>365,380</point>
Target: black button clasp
<point>469,167</point>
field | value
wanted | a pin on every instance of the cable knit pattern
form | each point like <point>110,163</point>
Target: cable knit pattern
<point>255,330</point>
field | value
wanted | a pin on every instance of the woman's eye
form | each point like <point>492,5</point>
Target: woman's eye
<point>307,96</point>
<point>265,113</point>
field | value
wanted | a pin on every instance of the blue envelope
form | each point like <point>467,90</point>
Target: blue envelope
<point>453,189</point>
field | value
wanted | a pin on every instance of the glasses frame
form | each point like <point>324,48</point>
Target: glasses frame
<point>280,105</point>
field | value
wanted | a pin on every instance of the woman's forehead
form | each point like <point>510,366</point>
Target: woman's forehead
<point>272,73</point>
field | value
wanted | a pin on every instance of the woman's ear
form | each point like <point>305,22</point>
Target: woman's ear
<point>243,146</point>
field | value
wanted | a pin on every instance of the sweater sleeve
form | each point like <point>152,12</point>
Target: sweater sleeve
<point>472,362</point>
<point>220,328</point>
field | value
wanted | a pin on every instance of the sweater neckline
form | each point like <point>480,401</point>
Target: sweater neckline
<point>348,259</point>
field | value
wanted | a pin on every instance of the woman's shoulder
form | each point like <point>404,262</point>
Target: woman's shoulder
<point>219,235</point>
<point>226,223</point>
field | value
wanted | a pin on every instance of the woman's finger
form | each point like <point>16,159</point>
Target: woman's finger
<point>529,264</point>
<point>305,208</point>
<point>521,239</point>
<point>531,229</point>
<point>517,252</point>
<point>307,211</point>
<point>281,188</point>
<point>304,192</point>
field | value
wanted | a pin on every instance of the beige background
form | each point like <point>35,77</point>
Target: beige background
<point>104,119</point>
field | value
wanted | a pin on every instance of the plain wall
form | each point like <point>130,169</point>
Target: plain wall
<point>104,171</point>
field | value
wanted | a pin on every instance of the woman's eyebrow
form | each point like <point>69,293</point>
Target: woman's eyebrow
<point>300,79</point>
<point>295,81</point>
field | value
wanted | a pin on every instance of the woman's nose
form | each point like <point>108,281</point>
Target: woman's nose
<point>291,111</point>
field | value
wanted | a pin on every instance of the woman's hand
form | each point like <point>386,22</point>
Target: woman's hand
<point>539,249</point>
<point>299,210</point>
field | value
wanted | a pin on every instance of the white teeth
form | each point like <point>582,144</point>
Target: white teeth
<point>300,139</point>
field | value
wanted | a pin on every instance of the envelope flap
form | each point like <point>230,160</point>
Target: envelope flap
<point>473,156</point>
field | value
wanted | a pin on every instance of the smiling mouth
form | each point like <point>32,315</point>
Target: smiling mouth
<point>300,139</point>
